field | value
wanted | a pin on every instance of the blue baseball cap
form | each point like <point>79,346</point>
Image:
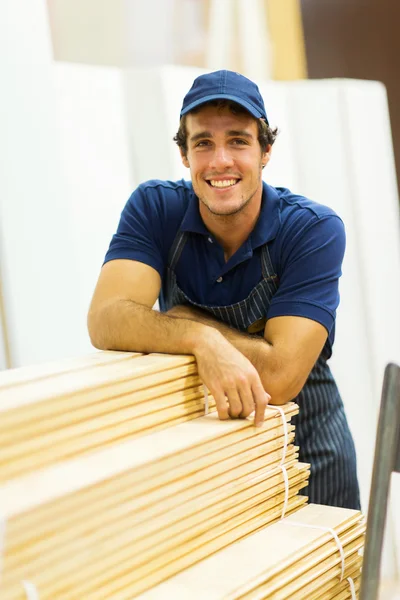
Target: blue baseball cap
<point>226,85</point>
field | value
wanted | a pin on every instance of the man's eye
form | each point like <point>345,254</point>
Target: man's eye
<point>239,142</point>
<point>202,143</point>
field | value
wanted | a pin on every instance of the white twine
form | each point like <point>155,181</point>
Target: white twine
<point>283,458</point>
<point>285,432</point>
<point>352,588</point>
<point>328,530</point>
<point>205,390</point>
<point>286,479</point>
<point>30,590</point>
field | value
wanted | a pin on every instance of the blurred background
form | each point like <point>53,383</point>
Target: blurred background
<point>66,97</point>
<point>90,99</point>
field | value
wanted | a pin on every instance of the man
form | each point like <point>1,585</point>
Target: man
<point>247,278</point>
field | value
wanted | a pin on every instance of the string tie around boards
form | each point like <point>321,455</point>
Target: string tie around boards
<point>283,458</point>
<point>30,590</point>
<point>339,546</point>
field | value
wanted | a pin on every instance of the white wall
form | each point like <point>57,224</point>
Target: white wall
<point>316,127</point>
<point>65,173</point>
<point>114,32</point>
<point>335,167</point>
<point>97,167</point>
<point>376,211</point>
<point>35,222</point>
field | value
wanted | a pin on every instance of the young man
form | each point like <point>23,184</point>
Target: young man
<point>247,278</point>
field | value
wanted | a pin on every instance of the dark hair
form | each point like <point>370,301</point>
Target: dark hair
<point>266,135</point>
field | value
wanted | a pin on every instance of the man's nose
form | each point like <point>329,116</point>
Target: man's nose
<point>221,159</point>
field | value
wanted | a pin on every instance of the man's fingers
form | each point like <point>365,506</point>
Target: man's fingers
<point>260,411</point>
<point>235,405</point>
<point>261,399</point>
<point>222,405</point>
<point>246,397</point>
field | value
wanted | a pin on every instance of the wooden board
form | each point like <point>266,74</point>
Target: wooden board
<point>110,519</point>
<point>150,456</point>
<point>141,511</point>
<point>259,557</point>
<point>93,383</point>
<point>22,375</point>
<point>308,583</point>
<point>72,407</point>
<point>103,578</point>
<point>153,515</point>
<point>84,437</point>
<point>59,414</point>
<point>37,420</point>
<point>102,502</point>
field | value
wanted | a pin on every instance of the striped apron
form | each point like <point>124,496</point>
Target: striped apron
<point>322,432</point>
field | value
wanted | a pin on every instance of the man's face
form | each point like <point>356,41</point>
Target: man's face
<point>225,159</point>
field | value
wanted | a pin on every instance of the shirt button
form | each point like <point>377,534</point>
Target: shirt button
<point>219,279</point>
<point>210,240</point>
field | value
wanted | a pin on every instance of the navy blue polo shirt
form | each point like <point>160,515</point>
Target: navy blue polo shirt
<point>306,242</point>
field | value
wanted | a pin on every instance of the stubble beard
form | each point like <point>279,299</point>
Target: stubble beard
<point>235,211</point>
<point>231,213</point>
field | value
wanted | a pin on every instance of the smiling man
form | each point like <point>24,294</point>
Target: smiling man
<point>246,275</point>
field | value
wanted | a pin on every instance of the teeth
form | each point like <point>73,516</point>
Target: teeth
<point>222,184</point>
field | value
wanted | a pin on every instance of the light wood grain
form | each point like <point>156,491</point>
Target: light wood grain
<point>282,547</point>
<point>56,412</point>
<point>94,382</point>
<point>115,485</point>
<point>23,375</point>
<point>149,456</point>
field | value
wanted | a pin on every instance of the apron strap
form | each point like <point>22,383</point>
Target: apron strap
<point>268,271</point>
<point>176,249</point>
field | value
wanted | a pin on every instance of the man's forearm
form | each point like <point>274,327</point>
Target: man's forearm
<point>231,378</point>
<point>261,354</point>
<point>255,348</point>
<point>127,326</point>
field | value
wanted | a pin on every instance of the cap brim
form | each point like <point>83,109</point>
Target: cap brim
<point>249,107</point>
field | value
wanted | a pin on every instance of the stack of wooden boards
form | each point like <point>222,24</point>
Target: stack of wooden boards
<point>106,491</point>
<point>297,558</point>
<point>53,412</point>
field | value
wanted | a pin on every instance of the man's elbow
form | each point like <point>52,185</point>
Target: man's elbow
<point>282,389</point>
<point>95,327</point>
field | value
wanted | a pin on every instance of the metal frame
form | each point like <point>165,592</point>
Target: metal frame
<point>387,460</point>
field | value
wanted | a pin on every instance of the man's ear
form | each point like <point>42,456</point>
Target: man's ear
<point>266,155</point>
<point>185,161</point>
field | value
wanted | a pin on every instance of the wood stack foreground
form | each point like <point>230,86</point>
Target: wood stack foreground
<point>292,559</point>
<point>54,412</point>
<point>106,493</point>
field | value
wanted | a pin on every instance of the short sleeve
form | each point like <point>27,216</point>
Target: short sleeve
<point>311,268</point>
<point>139,234</point>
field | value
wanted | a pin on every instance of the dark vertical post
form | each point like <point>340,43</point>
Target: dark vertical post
<point>386,460</point>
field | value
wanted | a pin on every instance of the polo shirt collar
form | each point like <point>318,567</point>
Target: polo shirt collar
<point>266,227</point>
<point>192,220</point>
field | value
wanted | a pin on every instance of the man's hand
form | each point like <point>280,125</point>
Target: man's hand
<point>231,379</point>
<point>283,359</point>
<point>229,375</point>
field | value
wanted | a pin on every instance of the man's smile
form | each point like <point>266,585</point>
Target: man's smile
<point>222,183</point>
